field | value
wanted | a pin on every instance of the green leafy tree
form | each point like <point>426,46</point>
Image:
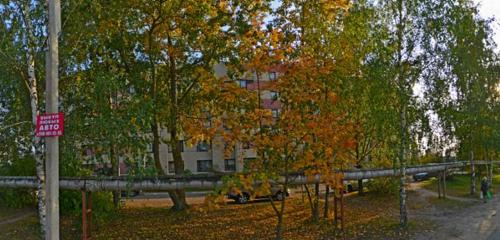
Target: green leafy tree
<point>462,85</point>
<point>21,49</point>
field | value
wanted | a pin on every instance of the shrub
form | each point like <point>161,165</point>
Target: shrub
<point>384,186</point>
<point>70,203</point>
<point>18,198</point>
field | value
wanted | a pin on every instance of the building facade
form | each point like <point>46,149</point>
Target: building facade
<point>208,156</point>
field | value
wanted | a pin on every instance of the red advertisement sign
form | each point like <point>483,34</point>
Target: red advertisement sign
<point>50,125</point>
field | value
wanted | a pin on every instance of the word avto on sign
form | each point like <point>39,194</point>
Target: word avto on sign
<point>50,125</point>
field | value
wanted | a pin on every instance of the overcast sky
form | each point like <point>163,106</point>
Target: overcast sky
<point>491,8</point>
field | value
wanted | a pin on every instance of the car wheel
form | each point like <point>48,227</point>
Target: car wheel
<point>242,198</point>
<point>279,196</point>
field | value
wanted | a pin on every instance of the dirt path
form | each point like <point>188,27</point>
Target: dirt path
<point>479,221</point>
<point>17,217</point>
<point>429,193</point>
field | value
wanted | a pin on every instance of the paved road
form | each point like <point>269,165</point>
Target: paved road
<point>477,222</point>
<point>481,221</point>
<point>495,235</point>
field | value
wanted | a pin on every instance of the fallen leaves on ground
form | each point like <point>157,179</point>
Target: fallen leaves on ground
<point>366,217</point>
<point>373,217</point>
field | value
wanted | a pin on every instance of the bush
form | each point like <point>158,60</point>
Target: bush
<point>70,203</point>
<point>18,198</point>
<point>384,186</point>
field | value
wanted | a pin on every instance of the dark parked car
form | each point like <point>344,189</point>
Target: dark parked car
<point>352,185</point>
<point>243,196</point>
<point>421,176</point>
<point>129,193</point>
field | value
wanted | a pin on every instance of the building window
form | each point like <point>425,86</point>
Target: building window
<point>171,167</point>
<point>229,165</point>
<point>272,76</point>
<point>276,113</point>
<point>243,83</point>
<point>204,165</point>
<point>202,146</point>
<point>180,144</point>
<point>274,95</point>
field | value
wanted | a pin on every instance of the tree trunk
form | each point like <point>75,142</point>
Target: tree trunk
<point>403,221</point>
<point>335,208</point>
<point>179,199</point>
<point>472,173</point>
<point>490,180</point>
<point>327,202</point>
<point>360,187</point>
<point>315,213</point>
<point>37,143</point>
<point>403,95</point>
<point>313,201</point>
<point>359,166</point>
<point>178,196</point>
<point>444,184</point>
<point>114,172</point>
<point>308,193</point>
<point>156,147</point>
<point>279,227</point>
<point>281,211</point>
<point>487,173</point>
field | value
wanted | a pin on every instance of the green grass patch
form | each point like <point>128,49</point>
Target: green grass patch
<point>459,185</point>
<point>26,229</point>
<point>496,183</point>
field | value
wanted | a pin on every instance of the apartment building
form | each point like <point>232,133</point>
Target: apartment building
<point>208,156</point>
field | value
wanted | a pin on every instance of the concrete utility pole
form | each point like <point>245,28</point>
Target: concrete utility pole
<point>52,143</point>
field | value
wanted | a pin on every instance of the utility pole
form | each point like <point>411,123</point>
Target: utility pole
<point>52,143</point>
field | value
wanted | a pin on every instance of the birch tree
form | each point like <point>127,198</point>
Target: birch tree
<point>461,84</point>
<point>401,18</point>
<point>18,25</point>
<point>37,147</point>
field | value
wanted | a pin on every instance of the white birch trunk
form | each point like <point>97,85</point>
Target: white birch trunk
<point>402,178</point>
<point>37,144</point>
<point>403,210</point>
<point>490,179</point>
<point>472,174</point>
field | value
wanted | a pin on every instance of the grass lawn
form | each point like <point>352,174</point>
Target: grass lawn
<point>26,229</point>
<point>496,182</point>
<point>459,185</point>
<point>367,217</point>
